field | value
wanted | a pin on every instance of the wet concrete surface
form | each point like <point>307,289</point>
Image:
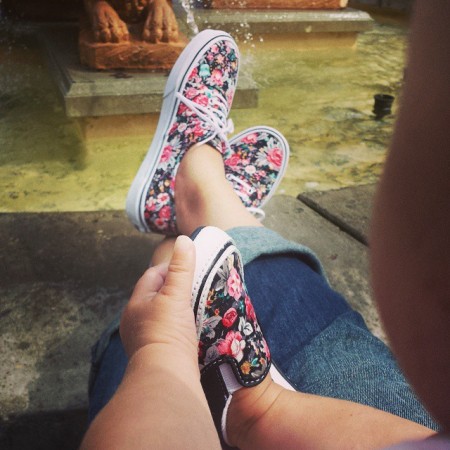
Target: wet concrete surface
<point>64,276</point>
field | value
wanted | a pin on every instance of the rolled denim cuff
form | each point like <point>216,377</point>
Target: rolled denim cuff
<point>254,242</point>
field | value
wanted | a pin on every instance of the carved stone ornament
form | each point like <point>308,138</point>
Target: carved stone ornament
<point>129,34</point>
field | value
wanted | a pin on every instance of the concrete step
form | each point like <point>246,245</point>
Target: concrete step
<point>348,208</point>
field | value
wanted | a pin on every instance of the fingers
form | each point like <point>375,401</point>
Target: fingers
<point>150,283</point>
<point>159,310</point>
<point>180,273</point>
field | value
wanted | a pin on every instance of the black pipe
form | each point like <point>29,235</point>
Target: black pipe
<point>383,105</point>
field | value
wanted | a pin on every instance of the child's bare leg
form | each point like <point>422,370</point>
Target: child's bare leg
<point>204,196</point>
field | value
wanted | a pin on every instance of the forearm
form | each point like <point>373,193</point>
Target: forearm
<point>409,241</point>
<point>157,405</point>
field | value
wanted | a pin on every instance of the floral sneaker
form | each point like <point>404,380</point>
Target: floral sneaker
<point>256,165</point>
<point>232,351</point>
<point>197,99</point>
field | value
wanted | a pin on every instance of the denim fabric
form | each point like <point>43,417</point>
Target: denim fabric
<point>321,344</point>
<point>316,339</point>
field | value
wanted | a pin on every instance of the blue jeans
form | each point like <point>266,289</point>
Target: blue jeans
<point>315,338</point>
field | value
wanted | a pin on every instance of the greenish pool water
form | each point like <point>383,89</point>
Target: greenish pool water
<point>320,99</point>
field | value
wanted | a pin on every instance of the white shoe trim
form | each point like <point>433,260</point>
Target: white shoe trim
<point>279,378</point>
<point>223,422</point>
<point>212,246</point>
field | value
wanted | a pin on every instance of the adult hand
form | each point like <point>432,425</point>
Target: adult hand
<point>159,313</point>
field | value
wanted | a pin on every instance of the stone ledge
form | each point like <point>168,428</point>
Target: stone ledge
<point>284,21</point>
<point>92,93</point>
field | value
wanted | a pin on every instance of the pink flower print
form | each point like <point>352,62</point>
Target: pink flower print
<point>174,126</point>
<point>216,77</point>
<point>250,169</point>
<point>166,153</point>
<point>229,317</point>
<point>150,204</point>
<point>214,48</point>
<point>182,127</point>
<point>275,157</point>
<point>194,72</point>
<point>249,310</point>
<point>219,59</point>
<point>163,198</point>
<point>232,345</point>
<point>181,110</point>
<point>198,130</point>
<point>191,93</point>
<point>210,57</point>
<point>160,223</point>
<point>202,100</point>
<point>233,161</point>
<point>234,284</point>
<point>165,212</point>
<point>250,138</point>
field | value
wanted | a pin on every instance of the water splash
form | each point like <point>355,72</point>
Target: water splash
<point>187,6</point>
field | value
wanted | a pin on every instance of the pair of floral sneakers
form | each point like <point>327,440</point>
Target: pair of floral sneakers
<point>197,100</point>
<point>198,96</point>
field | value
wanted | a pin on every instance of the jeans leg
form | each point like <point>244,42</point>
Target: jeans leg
<point>109,371</point>
<point>318,341</point>
<point>321,344</point>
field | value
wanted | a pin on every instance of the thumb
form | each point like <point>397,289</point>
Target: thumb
<point>180,273</point>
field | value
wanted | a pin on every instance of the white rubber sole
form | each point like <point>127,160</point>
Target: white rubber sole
<point>188,59</point>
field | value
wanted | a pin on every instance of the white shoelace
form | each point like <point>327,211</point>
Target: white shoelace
<point>216,118</point>
<point>257,212</point>
<point>221,126</point>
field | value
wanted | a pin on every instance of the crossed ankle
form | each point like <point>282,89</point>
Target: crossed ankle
<point>248,408</point>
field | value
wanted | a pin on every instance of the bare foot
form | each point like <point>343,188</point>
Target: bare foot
<point>247,407</point>
<point>161,24</point>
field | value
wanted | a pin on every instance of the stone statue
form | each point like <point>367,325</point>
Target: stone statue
<point>109,19</point>
<point>129,34</point>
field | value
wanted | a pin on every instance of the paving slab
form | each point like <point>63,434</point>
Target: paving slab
<point>348,208</point>
<point>89,248</point>
<point>63,276</point>
<point>345,259</point>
